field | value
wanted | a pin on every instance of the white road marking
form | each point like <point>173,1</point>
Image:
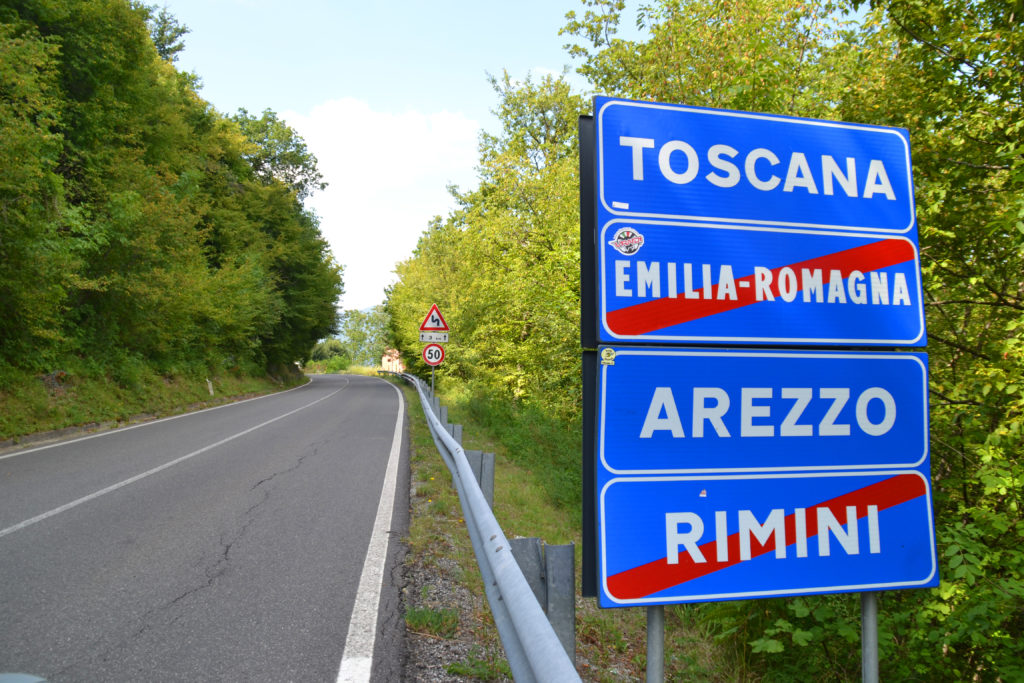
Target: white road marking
<point>137,477</point>
<point>357,659</point>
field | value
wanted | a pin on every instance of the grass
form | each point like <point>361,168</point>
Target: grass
<point>537,494</point>
<point>442,623</point>
<point>481,666</point>
<point>30,403</point>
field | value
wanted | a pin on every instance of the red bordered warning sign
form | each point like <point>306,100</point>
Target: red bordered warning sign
<point>434,322</point>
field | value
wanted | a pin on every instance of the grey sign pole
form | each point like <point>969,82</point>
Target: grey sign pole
<point>869,637</point>
<point>656,644</point>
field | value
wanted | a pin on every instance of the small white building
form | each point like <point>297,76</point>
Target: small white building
<point>392,361</point>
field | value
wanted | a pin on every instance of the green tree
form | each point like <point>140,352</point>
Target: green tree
<point>166,33</point>
<point>365,335</point>
<point>950,73</point>
<point>140,226</point>
<point>329,348</point>
<point>280,154</point>
<point>504,267</point>
<point>34,266</point>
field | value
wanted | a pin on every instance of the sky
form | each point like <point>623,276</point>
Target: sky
<point>389,96</point>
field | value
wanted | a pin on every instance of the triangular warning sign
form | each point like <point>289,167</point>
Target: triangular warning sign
<point>434,322</point>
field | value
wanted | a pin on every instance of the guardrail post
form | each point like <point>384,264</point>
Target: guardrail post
<point>560,561</point>
<point>457,433</point>
<point>551,573</point>
<point>482,465</point>
<point>435,403</point>
<point>529,556</point>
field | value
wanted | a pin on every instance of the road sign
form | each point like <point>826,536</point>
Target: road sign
<point>723,537</point>
<point>681,411</point>
<point>674,282</point>
<point>749,439</point>
<point>726,474</point>
<point>677,162</point>
<point>434,322</point>
<point>433,354</point>
<point>437,337</point>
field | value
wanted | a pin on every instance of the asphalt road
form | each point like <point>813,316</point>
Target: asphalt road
<point>223,545</point>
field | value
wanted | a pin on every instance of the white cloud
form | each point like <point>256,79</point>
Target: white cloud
<point>387,175</point>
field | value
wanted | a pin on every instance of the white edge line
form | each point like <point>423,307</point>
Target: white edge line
<point>160,468</point>
<point>118,430</point>
<point>357,657</point>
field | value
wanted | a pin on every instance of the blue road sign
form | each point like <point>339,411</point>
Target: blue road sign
<point>726,474</point>
<point>722,537</point>
<point>828,451</point>
<point>689,163</point>
<point>685,283</point>
<point>681,411</point>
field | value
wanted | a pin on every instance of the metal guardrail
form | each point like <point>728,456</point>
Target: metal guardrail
<point>532,648</point>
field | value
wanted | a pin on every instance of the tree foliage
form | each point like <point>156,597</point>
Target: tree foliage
<point>137,222</point>
<point>504,270</point>
<point>166,33</point>
<point>364,335</point>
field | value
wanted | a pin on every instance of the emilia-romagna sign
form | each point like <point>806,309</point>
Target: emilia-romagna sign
<point>666,282</point>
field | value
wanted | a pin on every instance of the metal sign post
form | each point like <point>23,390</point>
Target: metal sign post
<point>869,637</point>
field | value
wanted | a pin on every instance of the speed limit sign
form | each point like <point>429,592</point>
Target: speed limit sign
<point>433,354</point>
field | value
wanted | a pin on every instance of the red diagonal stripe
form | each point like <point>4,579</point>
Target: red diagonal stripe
<point>661,313</point>
<point>659,575</point>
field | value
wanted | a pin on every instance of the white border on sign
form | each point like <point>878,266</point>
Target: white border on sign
<point>619,352</point>
<point>753,339</point>
<point>738,595</point>
<point>617,211</point>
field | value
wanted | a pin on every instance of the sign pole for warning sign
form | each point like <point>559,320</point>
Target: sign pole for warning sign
<point>703,469</point>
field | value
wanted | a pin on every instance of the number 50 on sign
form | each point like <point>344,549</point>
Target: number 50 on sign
<point>433,354</point>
